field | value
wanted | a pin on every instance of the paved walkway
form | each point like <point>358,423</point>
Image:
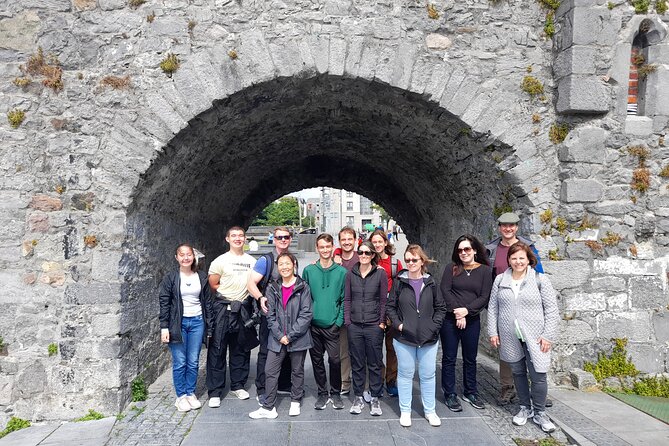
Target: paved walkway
<point>585,419</point>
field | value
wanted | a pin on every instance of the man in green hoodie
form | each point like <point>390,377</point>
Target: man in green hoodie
<point>326,280</point>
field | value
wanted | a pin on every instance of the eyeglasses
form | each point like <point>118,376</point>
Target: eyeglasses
<point>468,249</point>
<point>282,237</point>
<point>412,260</point>
<point>365,253</point>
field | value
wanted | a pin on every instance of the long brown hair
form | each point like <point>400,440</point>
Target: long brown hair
<point>389,249</point>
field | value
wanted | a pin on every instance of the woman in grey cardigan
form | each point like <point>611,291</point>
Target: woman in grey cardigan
<point>522,322</point>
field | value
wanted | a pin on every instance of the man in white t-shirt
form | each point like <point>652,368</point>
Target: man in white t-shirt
<point>228,275</point>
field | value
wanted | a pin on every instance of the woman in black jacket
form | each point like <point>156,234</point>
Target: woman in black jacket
<point>365,296</point>
<point>465,285</point>
<point>289,321</point>
<point>417,309</point>
<point>185,312</point>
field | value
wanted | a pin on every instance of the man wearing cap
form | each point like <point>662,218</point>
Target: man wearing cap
<point>497,253</point>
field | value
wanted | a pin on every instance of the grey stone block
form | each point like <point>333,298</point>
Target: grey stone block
<point>647,292</point>
<point>584,144</point>
<point>585,191</point>
<point>593,26</point>
<point>582,94</point>
<point>567,273</point>
<point>575,60</point>
<point>576,332</point>
<point>93,293</point>
<point>633,325</point>
<point>608,283</point>
<point>638,125</point>
<point>581,379</point>
<point>661,326</point>
<point>657,92</point>
<point>647,358</point>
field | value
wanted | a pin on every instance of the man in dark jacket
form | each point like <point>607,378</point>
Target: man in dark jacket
<point>228,275</point>
<point>497,251</point>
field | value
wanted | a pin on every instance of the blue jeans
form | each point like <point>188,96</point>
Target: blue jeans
<point>451,338</point>
<point>407,358</point>
<point>186,355</point>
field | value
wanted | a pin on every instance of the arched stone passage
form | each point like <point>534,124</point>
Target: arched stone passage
<point>422,163</point>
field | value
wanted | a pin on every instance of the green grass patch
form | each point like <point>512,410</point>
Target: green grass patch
<point>654,406</point>
<point>14,424</point>
<point>615,364</point>
<point>91,415</point>
<point>139,389</point>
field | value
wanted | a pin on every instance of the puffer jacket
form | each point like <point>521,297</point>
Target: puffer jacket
<point>365,298</point>
<point>172,307</point>
<point>294,321</point>
<point>420,324</point>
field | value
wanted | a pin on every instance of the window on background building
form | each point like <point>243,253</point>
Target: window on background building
<point>640,67</point>
<point>350,221</point>
<point>349,205</point>
<point>349,194</point>
<point>365,206</point>
<point>366,221</point>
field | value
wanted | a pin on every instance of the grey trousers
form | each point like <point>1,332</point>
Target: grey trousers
<point>536,397</point>
<point>272,370</point>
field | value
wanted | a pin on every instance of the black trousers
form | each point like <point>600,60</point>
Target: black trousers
<point>365,345</point>
<point>274,363</point>
<point>240,363</point>
<point>326,340</point>
<point>284,375</point>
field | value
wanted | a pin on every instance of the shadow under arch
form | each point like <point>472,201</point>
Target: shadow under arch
<point>416,159</point>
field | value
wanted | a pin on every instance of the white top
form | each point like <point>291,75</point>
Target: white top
<point>515,287</point>
<point>234,271</point>
<point>190,294</point>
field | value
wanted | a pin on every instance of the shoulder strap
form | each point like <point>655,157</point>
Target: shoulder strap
<point>537,278</point>
<point>393,268</point>
<point>269,259</point>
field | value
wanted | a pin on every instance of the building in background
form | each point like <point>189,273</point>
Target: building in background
<point>341,208</point>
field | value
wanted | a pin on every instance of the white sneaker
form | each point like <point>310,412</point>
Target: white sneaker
<point>367,396</point>
<point>241,394</point>
<point>294,409</point>
<point>521,417</point>
<point>214,402</point>
<point>542,420</point>
<point>193,401</point>
<point>264,413</point>
<point>405,419</point>
<point>433,419</point>
<point>182,404</point>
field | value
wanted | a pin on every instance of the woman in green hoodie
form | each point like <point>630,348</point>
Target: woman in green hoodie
<point>326,280</point>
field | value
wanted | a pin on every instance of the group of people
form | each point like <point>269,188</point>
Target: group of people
<point>348,304</point>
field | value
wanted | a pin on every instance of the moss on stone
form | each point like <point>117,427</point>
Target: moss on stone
<point>16,117</point>
<point>532,86</point>
<point>558,133</point>
<point>641,179</point>
<point>170,64</point>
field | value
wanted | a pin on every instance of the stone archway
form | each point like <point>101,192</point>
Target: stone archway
<point>422,163</point>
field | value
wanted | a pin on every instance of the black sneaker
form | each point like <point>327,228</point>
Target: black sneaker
<point>474,400</point>
<point>549,402</point>
<point>321,402</point>
<point>453,403</point>
<point>337,403</point>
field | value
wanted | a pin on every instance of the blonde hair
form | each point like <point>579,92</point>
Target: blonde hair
<point>418,251</point>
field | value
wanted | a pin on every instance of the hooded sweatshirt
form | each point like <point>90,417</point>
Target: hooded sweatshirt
<point>327,292</point>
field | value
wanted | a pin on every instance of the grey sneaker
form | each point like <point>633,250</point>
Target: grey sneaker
<point>376,407</point>
<point>357,406</point>
<point>321,402</point>
<point>521,417</point>
<point>474,400</point>
<point>542,420</point>
<point>367,396</point>
<point>337,403</point>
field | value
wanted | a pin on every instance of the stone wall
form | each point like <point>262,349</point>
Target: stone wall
<point>423,115</point>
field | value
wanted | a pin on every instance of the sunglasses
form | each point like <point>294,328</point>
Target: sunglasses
<point>412,260</point>
<point>365,253</point>
<point>282,237</point>
<point>467,249</point>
